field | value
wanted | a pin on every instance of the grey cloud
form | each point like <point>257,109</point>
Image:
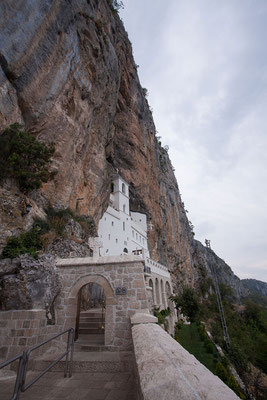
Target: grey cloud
<point>204,65</point>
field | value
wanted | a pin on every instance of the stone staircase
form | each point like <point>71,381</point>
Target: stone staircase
<point>90,352</point>
<point>92,322</point>
<point>90,361</point>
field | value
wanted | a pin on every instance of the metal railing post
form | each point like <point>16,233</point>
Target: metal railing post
<point>20,384</point>
<point>71,354</point>
<point>67,356</point>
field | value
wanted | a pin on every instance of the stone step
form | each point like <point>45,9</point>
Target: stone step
<point>92,331</point>
<point>94,340</point>
<point>91,314</point>
<point>91,324</point>
<point>80,347</point>
<point>94,319</point>
<point>98,361</point>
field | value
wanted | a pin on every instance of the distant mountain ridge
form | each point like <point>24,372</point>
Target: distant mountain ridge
<point>255,286</point>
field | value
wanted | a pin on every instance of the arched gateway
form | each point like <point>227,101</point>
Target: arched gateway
<point>122,279</point>
<point>110,303</point>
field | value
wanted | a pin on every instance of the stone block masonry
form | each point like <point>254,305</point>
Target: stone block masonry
<point>122,278</point>
<point>21,329</point>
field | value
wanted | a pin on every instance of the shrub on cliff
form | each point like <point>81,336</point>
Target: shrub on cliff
<point>26,243</point>
<point>24,158</point>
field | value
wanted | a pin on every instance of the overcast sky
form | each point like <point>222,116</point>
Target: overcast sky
<point>204,63</point>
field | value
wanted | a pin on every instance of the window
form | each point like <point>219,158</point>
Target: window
<point>109,236</point>
<point>112,187</point>
<point>112,223</point>
<point>125,250</point>
<point>116,240</point>
<point>136,236</point>
<point>124,207</point>
<point>123,188</point>
<point>139,238</point>
<point>123,225</point>
<point>143,241</point>
<point>133,233</point>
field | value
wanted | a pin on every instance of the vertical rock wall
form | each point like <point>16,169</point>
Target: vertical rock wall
<point>67,73</point>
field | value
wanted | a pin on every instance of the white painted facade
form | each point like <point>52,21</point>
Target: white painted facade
<point>122,231</point>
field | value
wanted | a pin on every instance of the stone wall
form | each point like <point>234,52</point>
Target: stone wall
<point>112,273</point>
<point>22,329</point>
<point>167,371</point>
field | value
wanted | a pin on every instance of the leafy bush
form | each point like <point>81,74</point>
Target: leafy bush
<point>162,316</point>
<point>87,223</point>
<point>28,242</point>
<point>57,219</point>
<point>221,372</point>
<point>188,302</point>
<point>24,158</point>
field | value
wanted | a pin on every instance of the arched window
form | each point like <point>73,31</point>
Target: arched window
<point>125,250</point>
<point>124,207</point>
<point>112,187</point>
<point>123,188</point>
<point>157,297</point>
<point>123,225</point>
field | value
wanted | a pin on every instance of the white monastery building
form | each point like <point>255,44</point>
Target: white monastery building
<point>123,232</point>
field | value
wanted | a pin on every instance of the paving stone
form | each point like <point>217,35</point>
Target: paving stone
<point>117,395</point>
<point>81,386</point>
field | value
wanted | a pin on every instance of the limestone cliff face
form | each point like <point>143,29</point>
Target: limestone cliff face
<point>255,286</point>
<point>67,73</point>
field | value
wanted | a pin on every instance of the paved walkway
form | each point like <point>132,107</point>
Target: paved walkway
<point>81,386</point>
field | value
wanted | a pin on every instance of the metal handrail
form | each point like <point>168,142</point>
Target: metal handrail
<point>20,385</point>
<point>19,373</point>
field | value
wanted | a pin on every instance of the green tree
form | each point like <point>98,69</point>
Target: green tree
<point>24,158</point>
<point>221,372</point>
<point>189,305</point>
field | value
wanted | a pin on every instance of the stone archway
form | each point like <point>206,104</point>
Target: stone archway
<point>71,300</point>
<point>157,292</point>
<point>163,299</point>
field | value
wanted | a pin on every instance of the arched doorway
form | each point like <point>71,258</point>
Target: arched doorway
<point>90,318</point>
<point>70,304</point>
<point>163,300</point>
<point>157,292</point>
<point>151,295</point>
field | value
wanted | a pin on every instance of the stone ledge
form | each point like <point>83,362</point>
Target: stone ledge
<point>167,371</point>
<point>142,318</point>
<point>72,262</point>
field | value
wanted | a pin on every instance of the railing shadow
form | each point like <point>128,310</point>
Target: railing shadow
<point>20,384</point>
